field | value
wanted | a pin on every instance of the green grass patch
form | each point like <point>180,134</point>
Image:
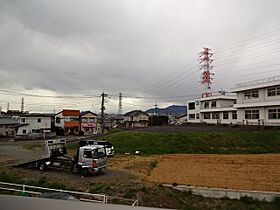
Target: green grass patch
<point>237,142</point>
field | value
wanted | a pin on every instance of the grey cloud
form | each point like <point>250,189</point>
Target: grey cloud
<point>89,46</point>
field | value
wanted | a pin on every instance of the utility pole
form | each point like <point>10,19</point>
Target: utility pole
<point>156,108</point>
<point>103,95</point>
<point>206,77</point>
<point>120,104</point>
<point>8,106</point>
<point>22,104</point>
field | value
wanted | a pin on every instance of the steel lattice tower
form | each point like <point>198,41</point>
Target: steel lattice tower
<point>206,77</point>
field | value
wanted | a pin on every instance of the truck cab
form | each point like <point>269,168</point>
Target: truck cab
<point>90,159</point>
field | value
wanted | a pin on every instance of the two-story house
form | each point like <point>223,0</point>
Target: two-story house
<point>136,118</point>
<point>68,120</point>
<point>33,123</point>
<point>258,102</point>
<point>88,123</point>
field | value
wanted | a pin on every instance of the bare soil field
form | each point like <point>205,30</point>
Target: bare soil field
<point>252,172</point>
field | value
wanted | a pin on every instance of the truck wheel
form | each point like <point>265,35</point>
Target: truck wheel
<point>84,172</point>
<point>42,166</point>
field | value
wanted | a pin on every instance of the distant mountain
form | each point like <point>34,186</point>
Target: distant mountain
<point>172,110</point>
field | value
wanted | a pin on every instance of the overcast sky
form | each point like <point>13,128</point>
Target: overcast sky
<point>141,48</point>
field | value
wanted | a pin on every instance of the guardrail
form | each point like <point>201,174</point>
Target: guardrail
<point>82,196</point>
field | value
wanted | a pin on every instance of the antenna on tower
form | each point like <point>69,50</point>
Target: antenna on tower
<point>120,104</point>
<point>206,77</point>
<point>22,105</point>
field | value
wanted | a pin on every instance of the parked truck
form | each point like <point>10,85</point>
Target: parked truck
<point>88,159</point>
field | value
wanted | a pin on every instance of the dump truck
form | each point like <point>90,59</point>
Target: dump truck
<point>89,159</point>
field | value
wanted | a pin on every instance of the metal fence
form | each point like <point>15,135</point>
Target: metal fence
<point>82,196</point>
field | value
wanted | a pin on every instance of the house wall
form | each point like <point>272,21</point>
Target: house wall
<point>7,130</point>
<point>67,121</point>
<point>140,120</point>
<point>89,124</point>
<point>33,123</point>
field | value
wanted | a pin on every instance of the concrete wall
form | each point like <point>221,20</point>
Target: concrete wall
<point>228,193</point>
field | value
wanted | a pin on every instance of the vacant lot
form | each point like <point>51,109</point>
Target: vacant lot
<point>251,172</point>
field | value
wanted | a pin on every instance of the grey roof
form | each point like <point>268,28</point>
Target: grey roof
<point>135,113</point>
<point>8,121</point>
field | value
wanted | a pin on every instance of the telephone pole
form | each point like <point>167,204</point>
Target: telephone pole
<point>120,104</point>
<point>22,104</point>
<point>103,95</point>
<point>8,106</point>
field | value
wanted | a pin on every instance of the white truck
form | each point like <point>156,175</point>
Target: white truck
<point>88,160</point>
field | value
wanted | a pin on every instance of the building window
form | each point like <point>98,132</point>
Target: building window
<point>24,131</point>
<point>207,116</point>
<point>252,114</point>
<point>192,106</point>
<point>197,116</point>
<point>215,116</point>
<point>74,119</point>
<point>251,94</point>
<point>84,119</point>
<point>91,119</point>
<point>39,120</point>
<point>274,114</point>
<point>275,91</point>
<point>234,115</point>
<point>225,115</point>
<point>192,117</point>
<point>214,104</point>
<point>206,104</point>
<point>57,120</point>
<point>22,120</point>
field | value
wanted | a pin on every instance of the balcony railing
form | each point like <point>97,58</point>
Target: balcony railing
<point>257,82</point>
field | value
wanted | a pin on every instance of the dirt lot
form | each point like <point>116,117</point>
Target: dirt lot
<point>252,172</point>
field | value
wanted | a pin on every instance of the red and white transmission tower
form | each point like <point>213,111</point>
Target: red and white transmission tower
<point>206,76</point>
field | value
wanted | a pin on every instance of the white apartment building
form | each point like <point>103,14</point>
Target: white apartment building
<point>258,102</point>
<point>213,110</point>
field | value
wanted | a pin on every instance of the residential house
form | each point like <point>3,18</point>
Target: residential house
<point>68,121</point>
<point>33,123</point>
<point>88,123</point>
<point>182,119</point>
<point>258,102</point>
<point>8,127</point>
<point>136,118</point>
